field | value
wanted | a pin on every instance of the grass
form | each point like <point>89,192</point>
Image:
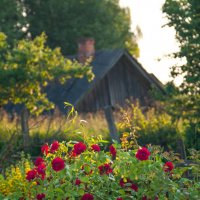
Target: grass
<point>52,126</point>
<point>47,128</point>
<point>56,126</point>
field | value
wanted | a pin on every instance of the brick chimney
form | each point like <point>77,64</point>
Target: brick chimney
<point>86,49</point>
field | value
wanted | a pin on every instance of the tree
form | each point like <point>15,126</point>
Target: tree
<point>26,68</point>
<point>12,20</point>
<point>65,21</point>
<point>183,15</point>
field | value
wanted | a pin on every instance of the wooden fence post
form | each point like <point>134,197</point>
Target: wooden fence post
<point>25,128</point>
<point>111,123</point>
<point>181,149</point>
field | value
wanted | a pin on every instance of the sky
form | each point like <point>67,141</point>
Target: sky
<point>157,42</point>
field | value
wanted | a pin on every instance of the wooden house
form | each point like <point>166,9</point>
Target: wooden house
<point>118,77</point>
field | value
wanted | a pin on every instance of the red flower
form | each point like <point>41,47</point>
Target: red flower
<point>54,146</point>
<point>87,196</point>
<point>119,198</point>
<point>79,148</point>
<point>105,169</point>
<point>39,161</point>
<point>113,151</point>
<point>45,149</point>
<point>40,196</point>
<point>58,164</point>
<point>134,187</point>
<point>144,198</point>
<point>77,182</point>
<point>143,154</point>
<point>42,166</point>
<point>31,174</point>
<point>41,170</point>
<point>95,147</point>
<point>121,182</point>
<point>168,167</point>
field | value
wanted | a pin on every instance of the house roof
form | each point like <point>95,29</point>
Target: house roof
<point>103,61</point>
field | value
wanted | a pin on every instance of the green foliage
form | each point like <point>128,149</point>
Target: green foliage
<point>65,21</point>
<point>182,108</point>
<point>148,175</point>
<point>177,104</point>
<point>192,136</point>
<point>151,126</point>
<point>183,15</point>
<point>11,19</point>
<point>126,171</point>
<point>28,67</point>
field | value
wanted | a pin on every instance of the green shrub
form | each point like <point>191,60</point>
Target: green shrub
<point>151,127</point>
<point>192,136</point>
<point>77,170</point>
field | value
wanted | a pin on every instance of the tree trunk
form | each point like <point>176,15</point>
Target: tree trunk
<point>111,123</point>
<point>25,128</point>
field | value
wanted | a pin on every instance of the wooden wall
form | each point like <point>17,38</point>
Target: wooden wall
<point>122,82</point>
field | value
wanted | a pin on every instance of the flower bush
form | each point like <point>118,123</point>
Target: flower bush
<point>84,171</point>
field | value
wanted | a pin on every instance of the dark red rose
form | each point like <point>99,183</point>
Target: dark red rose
<point>42,166</point>
<point>77,182</point>
<point>54,146</point>
<point>45,149</point>
<point>41,171</point>
<point>143,154</point>
<point>134,187</point>
<point>113,150</point>
<point>105,169</point>
<point>101,169</point>
<point>168,166</point>
<point>31,174</point>
<point>119,198</point>
<point>58,164</point>
<point>121,182</point>
<point>39,161</point>
<point>40,196</point>
<point>95,147</point>
<point>79,148</point>
<point>87,196</point>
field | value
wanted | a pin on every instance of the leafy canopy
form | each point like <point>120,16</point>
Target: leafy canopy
<point>184,16</point>
<point>65,21</point>
<point>29,66</point>
<point>12,20</point>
